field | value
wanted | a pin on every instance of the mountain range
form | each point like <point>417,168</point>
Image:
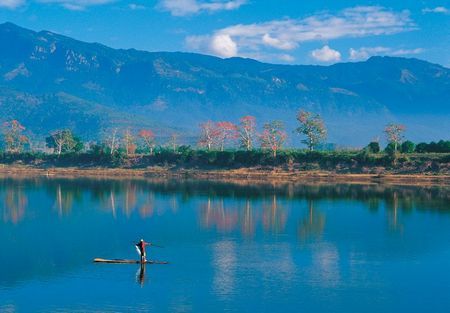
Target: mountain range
<point>49,81</point>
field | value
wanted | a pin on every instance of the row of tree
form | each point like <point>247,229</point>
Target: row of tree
<point>214,136</point>
<point>273,136</point>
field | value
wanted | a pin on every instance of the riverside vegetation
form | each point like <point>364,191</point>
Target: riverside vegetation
<point>217,150</point>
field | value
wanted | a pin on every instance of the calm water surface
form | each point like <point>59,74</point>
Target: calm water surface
<point>232,247</point>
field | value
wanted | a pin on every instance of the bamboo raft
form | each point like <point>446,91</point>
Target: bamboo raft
<point>124,261</point>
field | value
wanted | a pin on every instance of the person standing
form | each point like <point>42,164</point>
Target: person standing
<point>140,247</point>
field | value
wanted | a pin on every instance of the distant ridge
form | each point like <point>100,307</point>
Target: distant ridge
<point>50,81</point>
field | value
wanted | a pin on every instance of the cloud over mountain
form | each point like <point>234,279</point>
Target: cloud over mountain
<point>364,53</point>
<point>326,54</point>
<point>288,34</point>
<point>48,81</point>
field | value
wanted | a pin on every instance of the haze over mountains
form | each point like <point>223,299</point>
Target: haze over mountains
<point>49,81</point>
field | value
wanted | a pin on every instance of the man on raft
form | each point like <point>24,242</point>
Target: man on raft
<point>140,247</point>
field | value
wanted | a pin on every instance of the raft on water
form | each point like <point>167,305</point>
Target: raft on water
<point>123,261</point>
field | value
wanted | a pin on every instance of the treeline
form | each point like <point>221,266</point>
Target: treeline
<point>213,136</point>
<point>292,160</point>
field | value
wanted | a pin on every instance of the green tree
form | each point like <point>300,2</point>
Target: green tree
<point>313,127</point>
<point>443,146</point>
<point>390,148</point>
<point>407,147</point>
<point>63,141</point>
<point>421,147</point>
<point>373,147</point>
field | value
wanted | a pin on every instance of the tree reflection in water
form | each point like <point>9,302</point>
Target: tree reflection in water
<point>224,206</point>
<point>312,226</point>
<point>274,216</point>
<point>15,202</point>
<point>215,215</point>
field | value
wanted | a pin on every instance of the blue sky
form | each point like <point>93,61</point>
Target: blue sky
<point>278,31</point>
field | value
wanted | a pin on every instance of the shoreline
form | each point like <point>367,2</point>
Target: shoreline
<point>243,174</point>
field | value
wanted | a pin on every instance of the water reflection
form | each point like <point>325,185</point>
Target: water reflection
<point>224,264</point>
<point>233,244</point>
<point>274,216</point>
<point>312,226</point>
<point>140,274</point>
<point>15,202</point>
<point>123,198</point>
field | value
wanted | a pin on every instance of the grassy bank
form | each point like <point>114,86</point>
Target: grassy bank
<point>238,165</point>
<point>345,162</point>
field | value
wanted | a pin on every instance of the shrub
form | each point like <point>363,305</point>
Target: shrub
<point>407,147</point>
<point>373,147</point>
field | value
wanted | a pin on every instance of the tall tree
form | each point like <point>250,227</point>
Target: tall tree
<point>62,141</point>
<point>209,135</point>
<point>313,127</point>
<point>112,142</point>
<point>226,131</point>
<point>247,132</point>
<point>14,137</point>
<point>173,142</point>
<point>128,139</point>
<point>148,137</point>
<point>273,137</point>
<point>394,134</point>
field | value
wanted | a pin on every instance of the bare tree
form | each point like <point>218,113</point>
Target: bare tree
<point>173,141</point>
<point>149,139</point>
<point>209,134</point>
<point>247,132</point>
<point>112,142</point>
<point>128,139</point>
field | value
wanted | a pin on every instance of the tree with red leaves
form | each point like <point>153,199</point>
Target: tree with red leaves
<point>14,137</point>
<point>225,131</point>
<point>247,131</point>
<point>148,137</point>
<point>273,137</point>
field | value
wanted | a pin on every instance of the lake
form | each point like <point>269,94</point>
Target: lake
<point>232,246</point>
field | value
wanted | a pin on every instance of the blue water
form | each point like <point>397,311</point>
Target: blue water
<point>232,247</point>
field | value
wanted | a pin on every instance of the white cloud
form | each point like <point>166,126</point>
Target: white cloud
<point>77,5</point>
<point>288,34</point>
<point>189,7</point>
<point>278,43</point>
<point>364,53</point>
<point>134,6</point>
<point>443,10</point>
<point>68,4</point>
<point>401,52</point>
<point>11,4</point>
<point>224,46</point>
<point>326,54</point>
<point>286,57</point>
